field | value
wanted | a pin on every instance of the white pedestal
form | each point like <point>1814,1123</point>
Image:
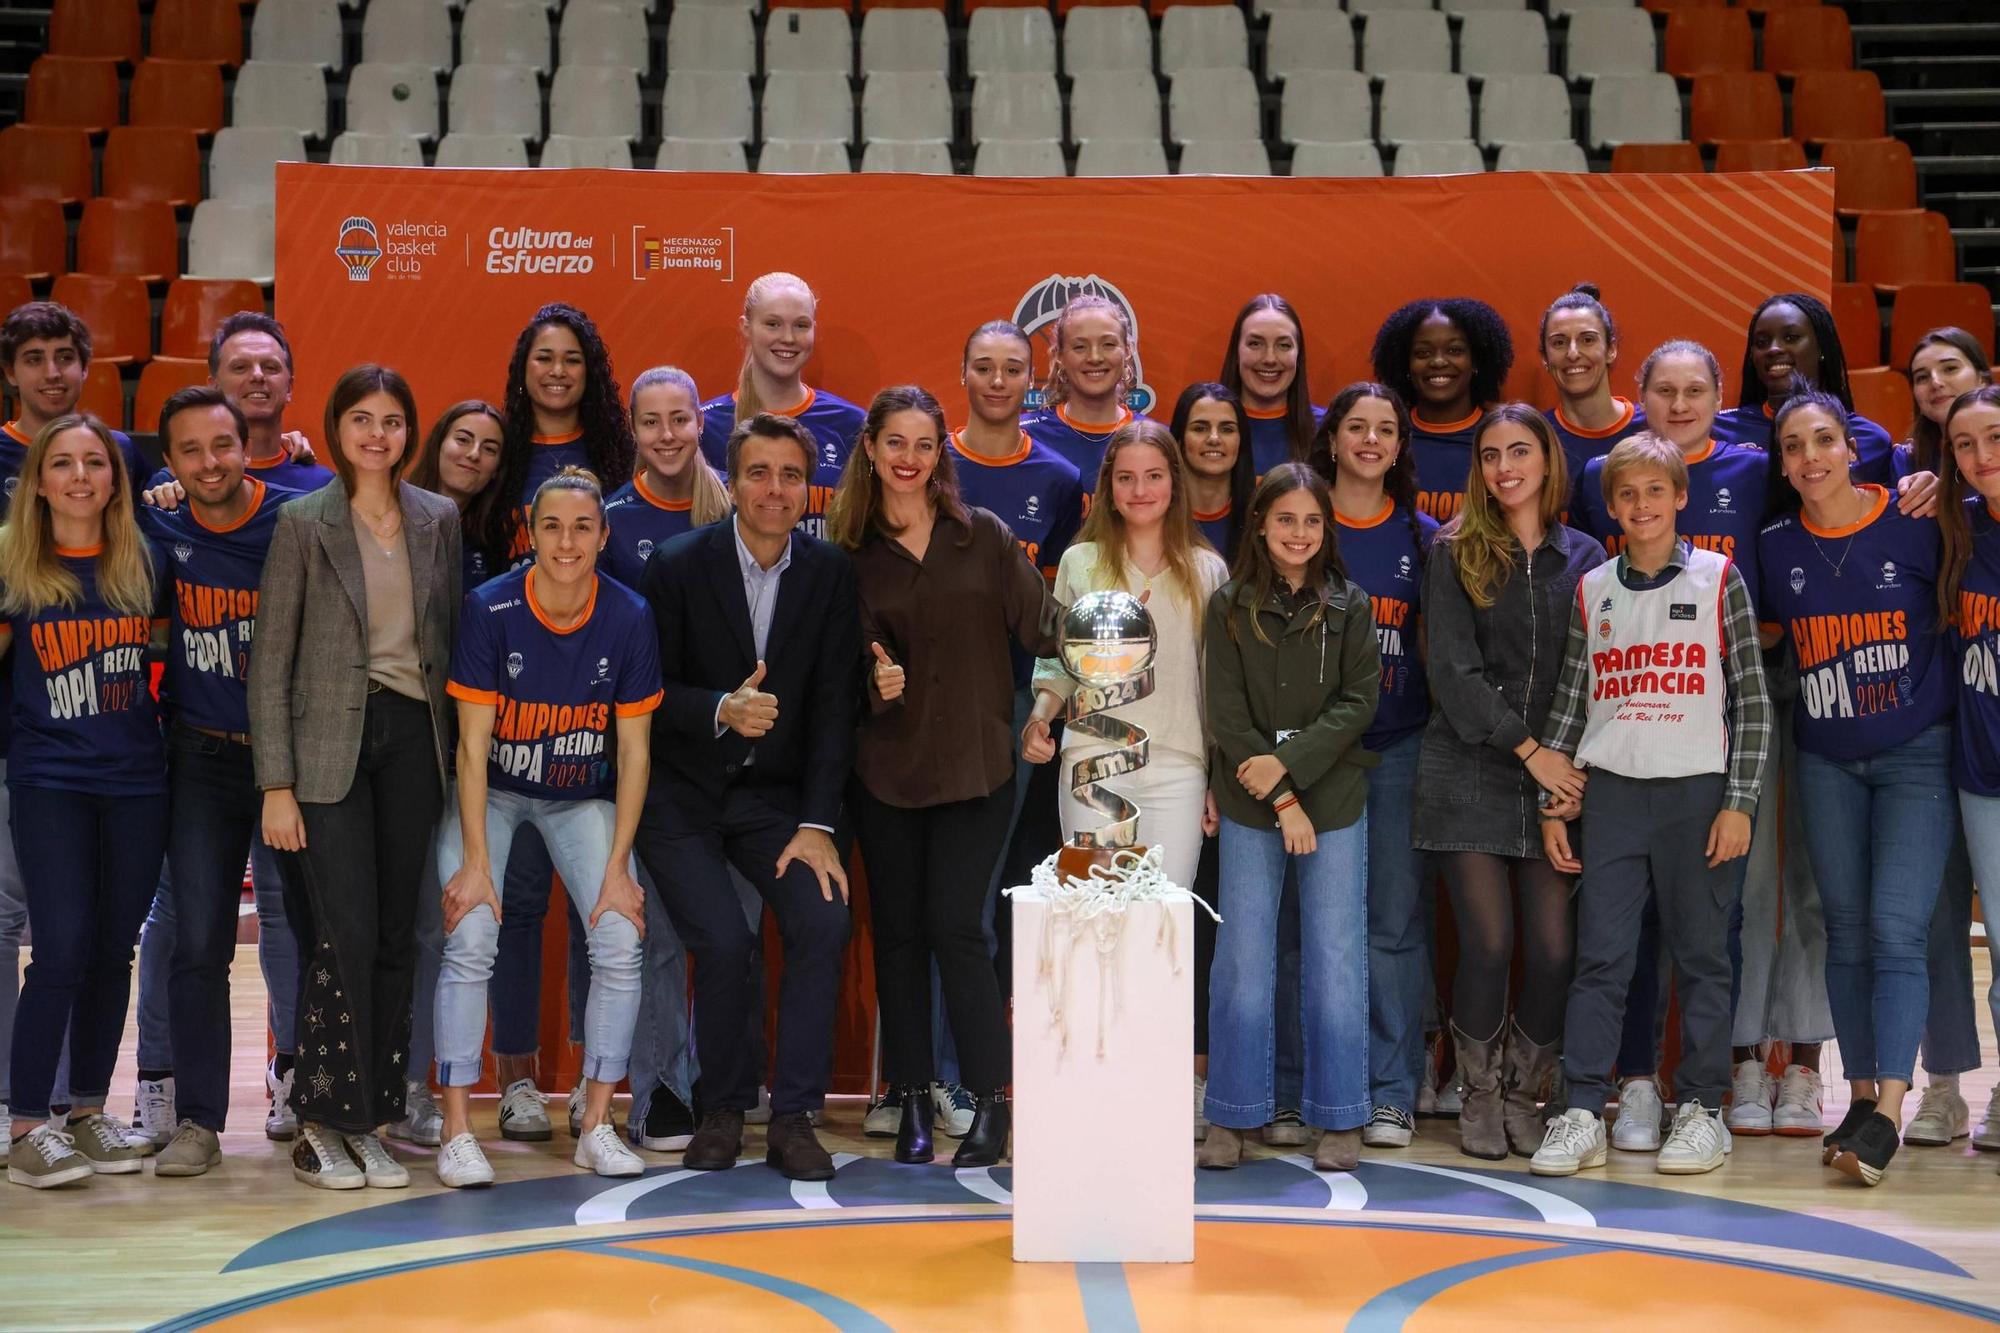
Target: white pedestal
<point>1080,1197</point>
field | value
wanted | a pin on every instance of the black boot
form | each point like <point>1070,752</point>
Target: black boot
<point>986,1142</point>
<point>913,1134</point>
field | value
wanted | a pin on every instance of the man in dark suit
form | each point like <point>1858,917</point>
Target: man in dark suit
<point>760,648</point>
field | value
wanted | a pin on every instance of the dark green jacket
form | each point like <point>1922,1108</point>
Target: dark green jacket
<point>1319,681</point>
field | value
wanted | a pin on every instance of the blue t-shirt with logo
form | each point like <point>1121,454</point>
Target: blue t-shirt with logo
<point>1081,446</point>
<point>1444,461</point>
<point>1038,495</point>
<point>1215,527</point>
<point>1385,555</point>
<point>288,474</point>
<point>639,521</point>
<point>1755,426</point>
<point>1860,607</point>
<point>215,574</point>
<point>1579,446</point>
<point>1976,636</point>
<point>833,421</point>
<point>1271,438</point>
<point>555,692</point>
<point>552,453</point>
<point>1728,493</point>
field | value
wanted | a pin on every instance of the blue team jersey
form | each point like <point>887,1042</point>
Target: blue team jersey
<point>287,474</point>
<point>1038,495</point>
<point>552,453</point>
<point>84,716</point>
<point>1753,426</point>
<point>1580,446</point>
<point>1728,489</point>
<point>215,574</point>
<point>639,520</point>
<point>1215,527</point>
<point>1976,637</point>
<point>1444,461</point>
<point>1860,606</point>
<point>1271,438</point>
<point>833,421</point>
<point>555,692</point>
<point>1081,446</point>
<point>1385,555</point>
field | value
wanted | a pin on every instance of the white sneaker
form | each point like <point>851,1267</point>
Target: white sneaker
<point>320,1159</point>
<point>1637,1128</point>
<point>422,1122</point>
<point>153,1110</point>
<point>760,1114</point>
<point>602,1151</point>
<point>1800,1112</point>
<point>461,1163</point>
<point>281,1123</point>
<point>1695,1143</point>
<point>1941,1117</point>
<point>1200,1108</point>
<point>1988,1137</point>
<point>524,1116</point>
<point>953,1106</point>
<point>382,1171</point>
<point>577,1101</point>
<point>1574,1141</point>
<point>1750,1094</point>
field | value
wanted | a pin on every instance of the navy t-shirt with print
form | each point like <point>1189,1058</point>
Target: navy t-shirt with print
<point>1728,488</point>
<point>834,422</point>
<point>639,521</point>
<point>1385,555</point>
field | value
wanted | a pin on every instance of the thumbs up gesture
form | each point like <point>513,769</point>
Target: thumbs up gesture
<point>747,710</point>
<point>888,677</point>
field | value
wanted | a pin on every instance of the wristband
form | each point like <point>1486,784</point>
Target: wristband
<point>1532,753</point>
<point>1284,803</point>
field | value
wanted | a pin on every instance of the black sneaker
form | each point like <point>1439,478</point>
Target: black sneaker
<point>669,1124</point>
<point>1865,1154</point>
<point>1850,1124</point>
<point>1389,1127</point>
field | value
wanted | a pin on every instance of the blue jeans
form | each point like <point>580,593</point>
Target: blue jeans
<point>578,836</point>
<point>1951,1036</point>
<point>1879,830</point>
<point>1981,816</point>
<point>13,921</point>
<point>1333,974</point>
<point>1397,960</point>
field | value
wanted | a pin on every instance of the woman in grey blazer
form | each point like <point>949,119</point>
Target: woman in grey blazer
<point>348,721</point>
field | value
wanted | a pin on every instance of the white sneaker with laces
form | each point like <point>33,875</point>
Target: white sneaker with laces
<point>281,1123</point>
<point>602,1151</point>
<point>953,1107</point>
<point>578,1100</point>
<point>1696,1142</point>
<point>153,1110</point>
<point>422,1122</point>
<point>462,1163</point>
<point>524,1116</point>
<point>1988,1137</point>
<point>1750,1094</point>
<point>381,1171</point>
<point>1574,1141</point>
<point>321,1159</point>
<point>1941,1117</point>
<point>1640,1111</point>
<point>1800,1110</point>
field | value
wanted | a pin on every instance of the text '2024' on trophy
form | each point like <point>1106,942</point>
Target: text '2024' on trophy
<point>1107,648</point>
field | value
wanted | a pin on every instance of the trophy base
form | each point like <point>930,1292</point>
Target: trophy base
<point>1076,862</point>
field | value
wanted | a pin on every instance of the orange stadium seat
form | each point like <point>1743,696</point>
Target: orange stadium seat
<point>184,93</point>
<point>34,240</point>
<point>1798,40</point>
<point>65,90</point>
<point>196,306</point>
<point>1766,6</point>
<point>1708,41</point>
<point>163,377</point>
<point>1860,323</point>
<point>98,29</point>
<point>197,30</point>
<point>1838,104</point>
<point>134,237</point>
<point>1668,157</point>
<point>15,290</point>
<point>104,394</point>
<point>1736,106</point>
<point>1882,394</point>
<point>1892,250</point>
<point>1871,174</point>
<point>47,161</point>
<point>1759,155</point>
<point>118,311</point>
<point>153,162</point>
<point>1923,306</point>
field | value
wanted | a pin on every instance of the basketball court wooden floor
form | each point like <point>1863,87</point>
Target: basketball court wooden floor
<point>1421,1238</point>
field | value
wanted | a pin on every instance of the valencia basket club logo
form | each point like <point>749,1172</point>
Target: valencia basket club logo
<point>1036,313</point>
<point>358,248</point>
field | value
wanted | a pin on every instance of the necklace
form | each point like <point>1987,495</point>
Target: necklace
<point>384,529</point>
<point>1845,551</point>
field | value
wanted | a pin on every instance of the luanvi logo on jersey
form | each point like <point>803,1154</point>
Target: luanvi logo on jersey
<point>524,250</point>
<point>1038,307</point>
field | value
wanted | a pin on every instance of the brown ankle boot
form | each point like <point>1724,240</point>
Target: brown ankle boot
<point>1481,1131</point>
<point>1531,1075</point>
<point>1222,1150</point>
<point>1339,1150</point>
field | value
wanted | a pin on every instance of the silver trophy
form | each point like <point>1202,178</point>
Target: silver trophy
<point>1107,648</point>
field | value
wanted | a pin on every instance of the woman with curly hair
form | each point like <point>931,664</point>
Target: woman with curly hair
<point>1449,359</point>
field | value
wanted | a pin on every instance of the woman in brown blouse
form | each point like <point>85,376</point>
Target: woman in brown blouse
<point>943,588</point>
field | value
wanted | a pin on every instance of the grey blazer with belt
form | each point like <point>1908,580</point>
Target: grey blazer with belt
<point>308,686</point>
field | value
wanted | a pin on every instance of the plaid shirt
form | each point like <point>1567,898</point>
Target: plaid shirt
<point>1750,712</point>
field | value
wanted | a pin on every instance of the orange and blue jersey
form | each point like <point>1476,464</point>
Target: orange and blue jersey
<point>552,453</point>
<point>1215,527</point>
<point>1860,606</point>
<point>215,573</point>
<point>1271,438</point>
<point>834,422</point>
<point>639,520</point>
<point>1385,555</point>
<point>1580,444</point>
<point>555,692</point>
<point>1976,637</point>
<point>14,444</point>
<point>1444,460</point>
<point>285,473</point>
<point>1755,426</point>
<point>1037,494</point>
<point>1079,444</point>
<point>84,717</point>
<point>1728,496</point>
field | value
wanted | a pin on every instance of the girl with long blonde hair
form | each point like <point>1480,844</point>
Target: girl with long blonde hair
<point>1093,364</point>
<point>674,489</point>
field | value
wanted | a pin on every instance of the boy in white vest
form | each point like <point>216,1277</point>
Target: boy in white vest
<point>1662,699</point>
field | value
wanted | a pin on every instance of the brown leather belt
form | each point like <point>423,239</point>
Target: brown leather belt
<point>240,737</point>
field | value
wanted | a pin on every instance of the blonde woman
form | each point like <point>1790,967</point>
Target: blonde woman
<point>1092,365</point>
<point>674,488</point>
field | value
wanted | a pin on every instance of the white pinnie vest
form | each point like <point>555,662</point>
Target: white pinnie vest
<point>1658,696</point>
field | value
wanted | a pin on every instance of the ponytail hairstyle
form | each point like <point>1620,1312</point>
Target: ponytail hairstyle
<point>1784,499</point>
<point>488,520</point>
<point>1055,389</point>
<point>1583,296</point>
<point>1104,526</point>
<point>1927,443</point>
<point>1243,476</point>
<point>708,494</point>
<point>32,576</point>
<point>747,403</point>
<point>1254,568</point>
<point>1481,543</point>
<point>1953,525</point>
<point>600,412</point>
<point>1832,358</point>
<point>581,481</point>
<point>1299,422</point>
<point>855,513</point>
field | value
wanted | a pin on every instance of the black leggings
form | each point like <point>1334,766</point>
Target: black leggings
<point>1485,911</point>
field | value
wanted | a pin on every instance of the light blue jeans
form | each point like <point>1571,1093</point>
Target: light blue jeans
<point>1879,830</point>
<point>578,835</point>
<point>1982,839</point>
<point>1333,978</point>
<point>1398,963</point>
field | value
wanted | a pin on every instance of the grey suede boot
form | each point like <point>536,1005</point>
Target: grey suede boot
<point>1531,1077</point>
<point>1481,1130</point>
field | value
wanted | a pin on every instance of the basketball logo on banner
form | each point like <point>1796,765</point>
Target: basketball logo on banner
<point>1042,303</point>
<point>358,248</point>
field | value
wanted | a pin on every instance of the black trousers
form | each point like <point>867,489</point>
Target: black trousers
<point>928,869</point>
<point>358,876</point>
<point>689,857</point>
